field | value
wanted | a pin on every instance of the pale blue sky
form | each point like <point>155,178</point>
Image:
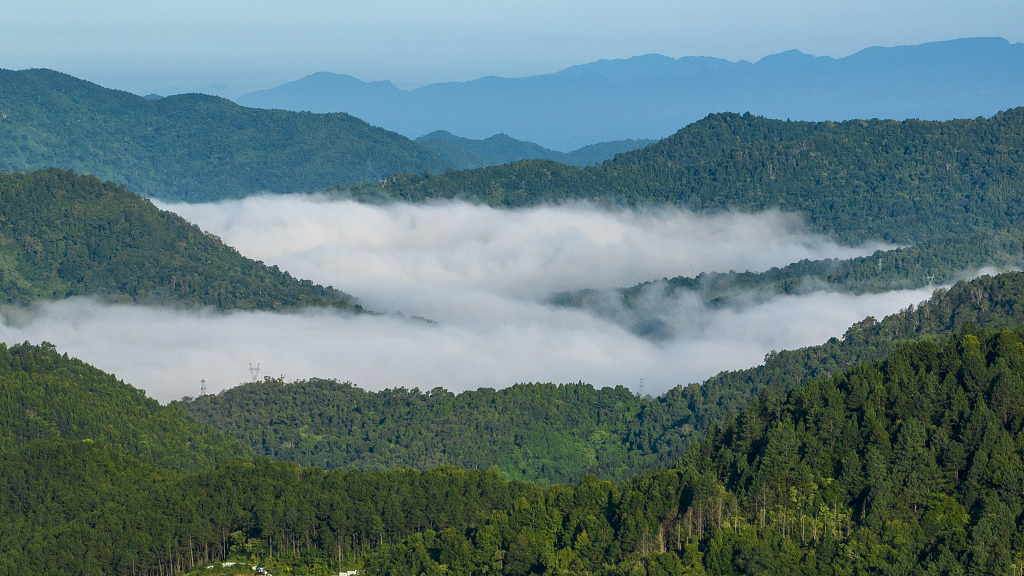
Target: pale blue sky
<point>146,45</point>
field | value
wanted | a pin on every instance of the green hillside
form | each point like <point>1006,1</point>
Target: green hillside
<point>547,433</point>
<point>537,432</point>
<point>66,235</point>
<point>86,508</point>
<point>46,395</point>
<point>190,147</point>
<point>903,182</point>
<point>908,465</point>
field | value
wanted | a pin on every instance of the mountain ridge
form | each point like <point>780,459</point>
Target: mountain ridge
<point>191,147</point>
<point>64,235</point>
<point>909,460</point>
<point>858,180</point>
<point>650,96</point>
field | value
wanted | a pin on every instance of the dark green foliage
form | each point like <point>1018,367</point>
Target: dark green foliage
<point>936,262</point>
<point>903,466</point>
<point>986,302</point>
<point>913,464</point>
<point>547,433</point>
<point>190,147</point>
<point>66,235</point>
<point>903,182</point>
<point>44,395</point>
<point>83,508</point>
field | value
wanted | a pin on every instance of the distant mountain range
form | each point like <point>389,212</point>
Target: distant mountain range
<point>190,147</point>
<point>195,147</point>
<point>651,96</point>
<point>465,153</point>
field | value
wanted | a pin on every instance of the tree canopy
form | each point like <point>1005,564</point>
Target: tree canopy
<point>899,181</point>
<point>548,433</point>
<point>911,464</point>
<point>191,147</point>
<point>64,235</point>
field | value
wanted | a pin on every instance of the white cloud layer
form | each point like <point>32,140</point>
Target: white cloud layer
<point>483,275</point>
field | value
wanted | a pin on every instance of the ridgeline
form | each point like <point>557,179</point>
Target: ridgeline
<point>191,147</point>
<point>903,182</point>
<point>64,235</point>
<point>548,433</point>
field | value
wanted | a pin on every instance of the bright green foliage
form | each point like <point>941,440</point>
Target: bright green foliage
<point>44,395</point>
<point>537,432</point>
<point>903,182</point>
<point>66,235</point>
<point>190,147</point>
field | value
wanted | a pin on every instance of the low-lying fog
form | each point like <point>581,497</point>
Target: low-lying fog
<point>483,276</point>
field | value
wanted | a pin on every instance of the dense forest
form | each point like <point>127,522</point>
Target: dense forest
<point>191,147</point>
<point>47,395</point>
<point>64,235</point>
<point>903,182</point>
<point>907,465</point>
<point>549,433</point>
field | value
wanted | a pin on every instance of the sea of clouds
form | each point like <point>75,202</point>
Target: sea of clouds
<point>482,276</point>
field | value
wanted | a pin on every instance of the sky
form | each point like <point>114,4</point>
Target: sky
<point>483,277</point>
<point>158,46</point>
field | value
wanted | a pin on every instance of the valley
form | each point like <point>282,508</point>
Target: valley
<point>754,346</point>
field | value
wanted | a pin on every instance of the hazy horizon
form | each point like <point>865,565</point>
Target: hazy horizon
<point>143,47</point>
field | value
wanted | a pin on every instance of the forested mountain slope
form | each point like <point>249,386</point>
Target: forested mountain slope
<point>548,433</point>
<point>903,182</point>
<point>536,432</point>
<point>908,465</point>
<point>64,235</point>
<point>46,395</point>
<point>190,147</point>
<point>87,508</point>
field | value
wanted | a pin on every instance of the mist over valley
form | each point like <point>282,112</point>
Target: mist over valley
<point>787,338</point>
<point>483,278</point>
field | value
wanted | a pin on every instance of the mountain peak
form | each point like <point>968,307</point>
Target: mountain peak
<point>792,58</point>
